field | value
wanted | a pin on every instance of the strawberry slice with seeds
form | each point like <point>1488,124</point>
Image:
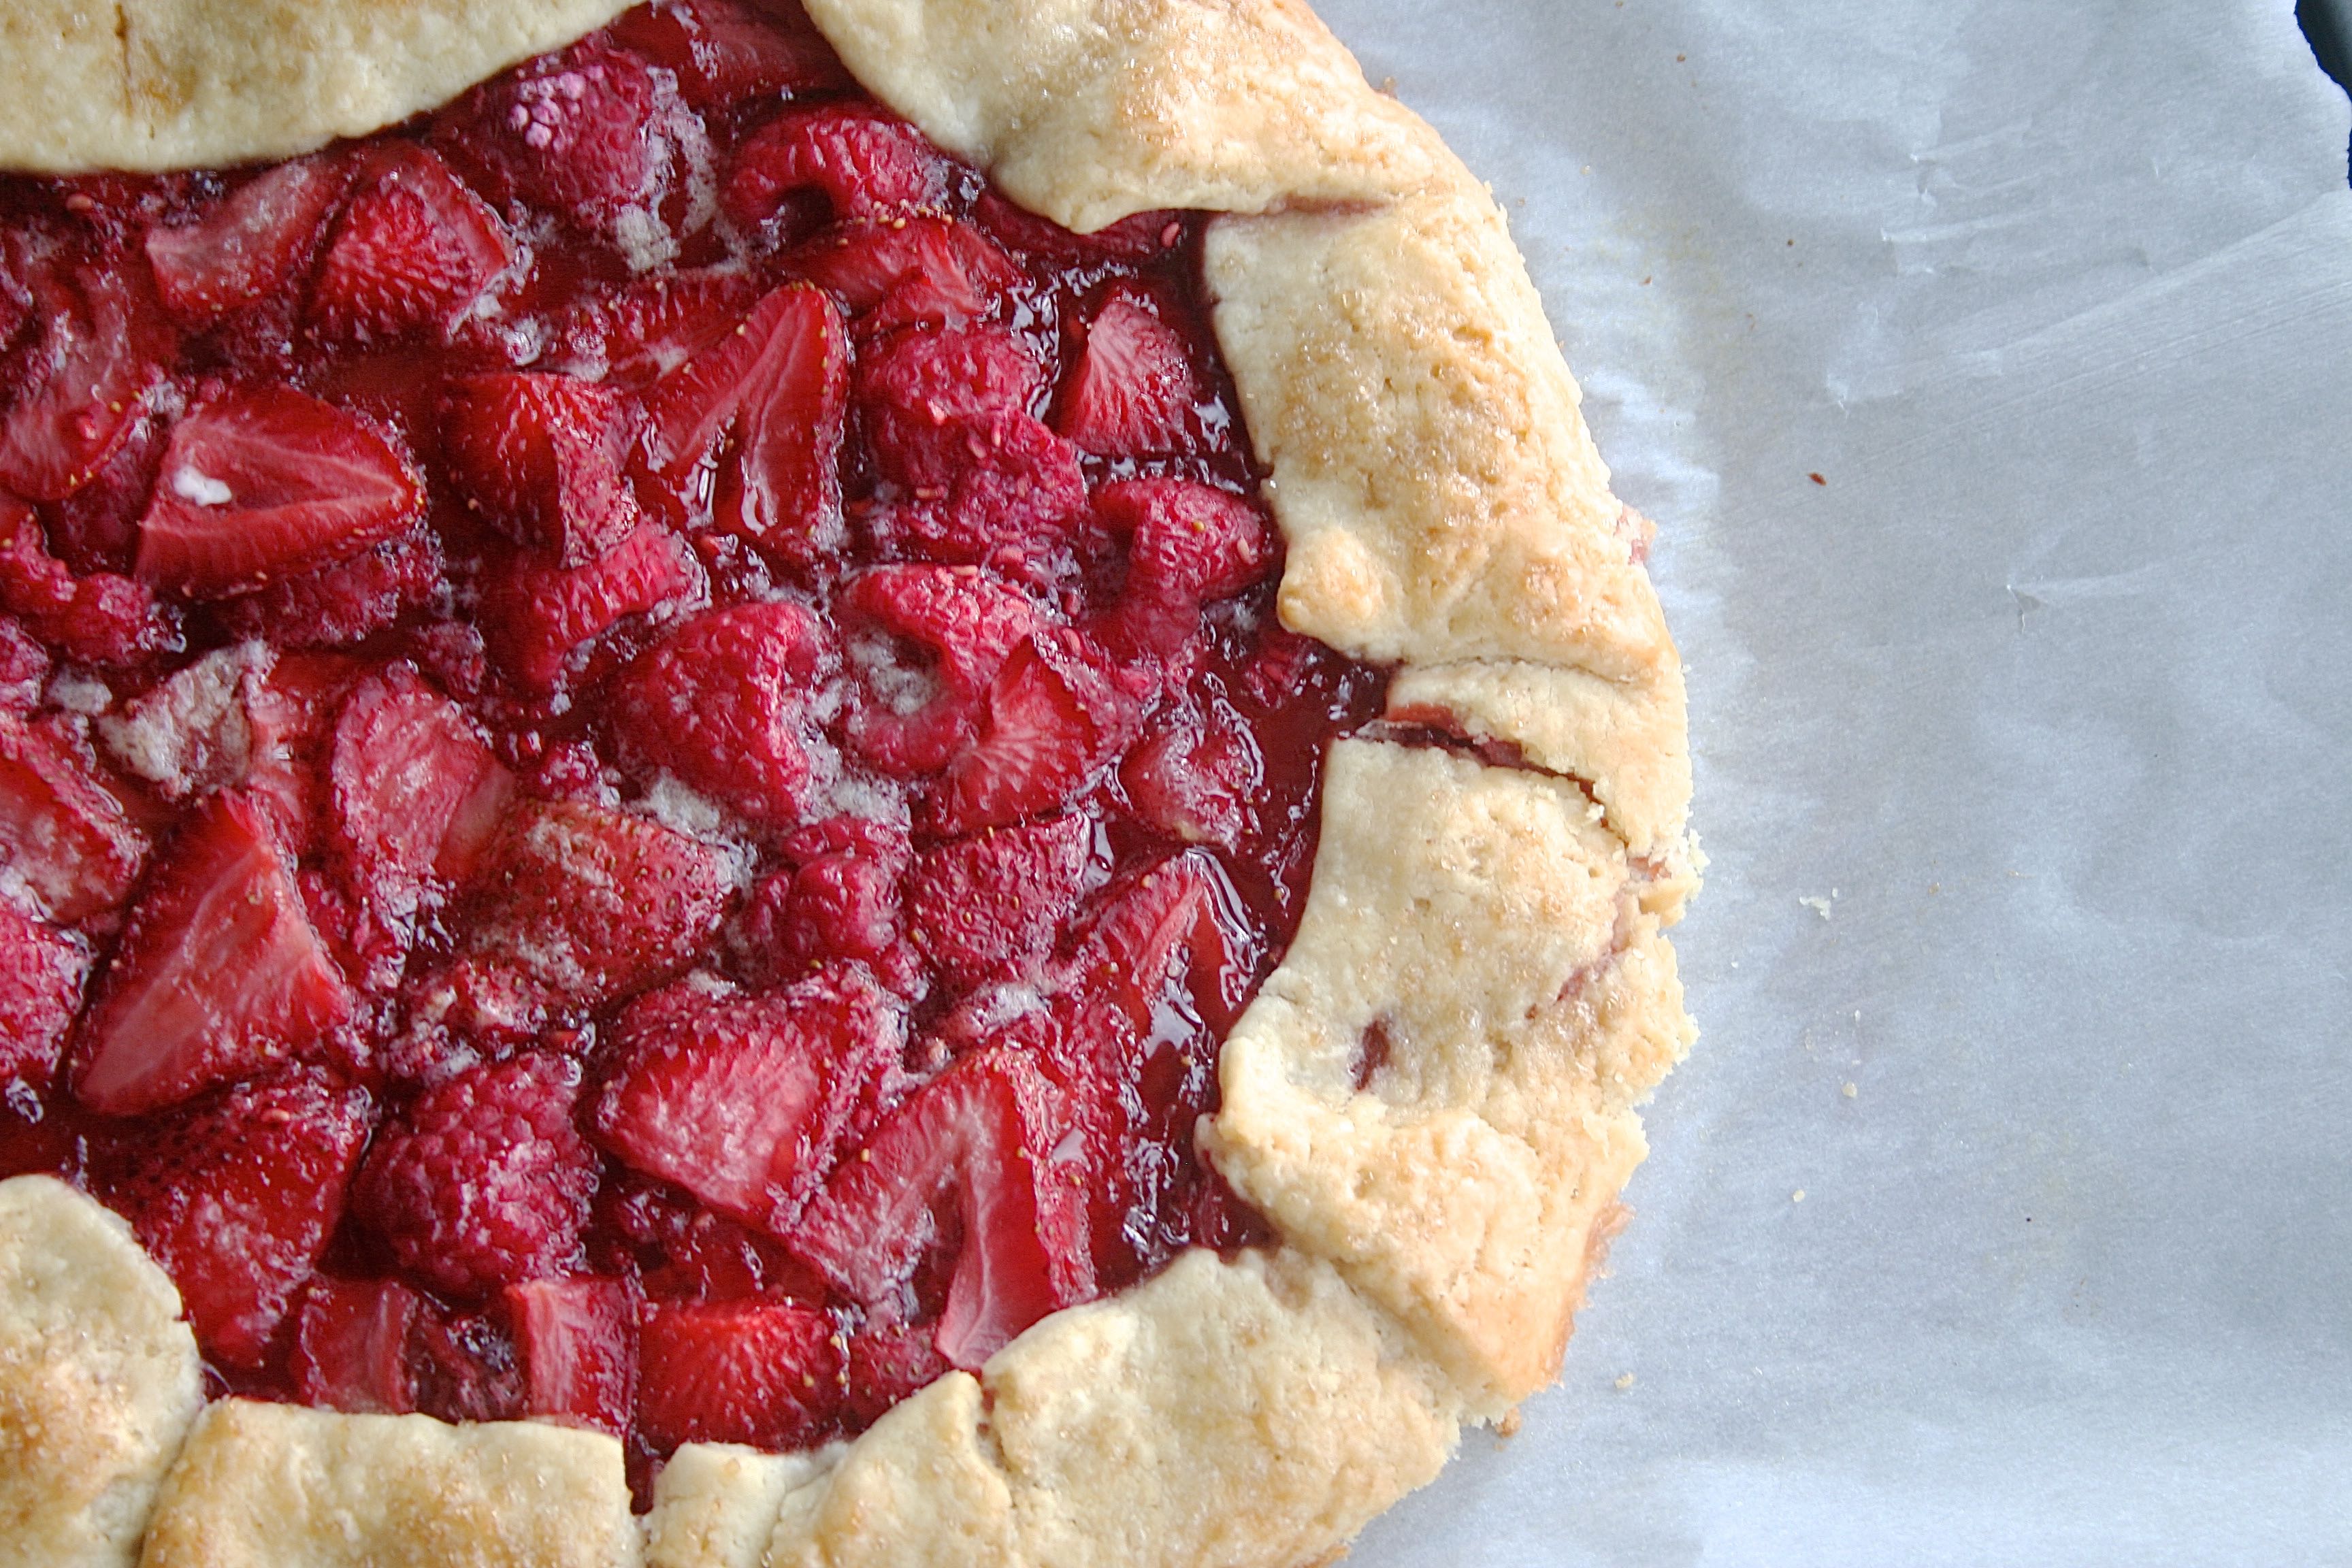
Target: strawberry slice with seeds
<point>413,252</point>
<point>762,1373</point>
<point>101,619</point>
<point>1187,545</point>
<point>1135,392</point>
<point>886,1364</point>
<point>540,458</point>
<point>545,621</point>
<point>780,383</point>
<point>62,831</point>
<point>251,245</point>
<point>923,643</point>
<point>722,704</point>
<point>103,344</point>
<point>236,1198</point>
<point>351,1346</point>
<point>346,603</point>
<point>416,798</point>
<point>967,1161</point>
<point>484,1181</point>
<point>743,1100</point>
<point>41,972</point>
<point>1058,712</point>
<point>653,325</point>
<point>864,161</point>
<point>918,270</point>
<point>219,974</point>
<point>980,907</point>
<point>263,485</point>
<point>1198,775</point>
<point>577,1340</point>
<point>590,905</point>
<point>1132,240</point>
<point>724,51</point>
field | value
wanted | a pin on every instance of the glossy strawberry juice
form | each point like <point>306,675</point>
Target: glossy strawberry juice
<point>643,746</point>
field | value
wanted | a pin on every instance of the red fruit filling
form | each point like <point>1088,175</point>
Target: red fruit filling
<point>644,749</point>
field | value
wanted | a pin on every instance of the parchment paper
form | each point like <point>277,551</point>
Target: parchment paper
<point>2004,1213</point>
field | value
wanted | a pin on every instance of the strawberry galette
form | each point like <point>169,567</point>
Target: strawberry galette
<point>876,786</point>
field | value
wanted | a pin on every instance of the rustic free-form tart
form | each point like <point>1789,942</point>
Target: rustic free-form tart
<point>886,785</point>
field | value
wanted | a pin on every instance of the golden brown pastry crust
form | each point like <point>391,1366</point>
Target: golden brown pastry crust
<point>1489,933</point>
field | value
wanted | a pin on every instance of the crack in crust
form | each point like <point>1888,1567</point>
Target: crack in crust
<point>1442,1208</point>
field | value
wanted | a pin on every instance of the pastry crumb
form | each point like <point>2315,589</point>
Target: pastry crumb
<point>1850,1092</point>
<point>1798,1196</point>
<point>1624,1381</point>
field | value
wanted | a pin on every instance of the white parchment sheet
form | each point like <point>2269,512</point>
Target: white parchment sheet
<point>2004,1213</point>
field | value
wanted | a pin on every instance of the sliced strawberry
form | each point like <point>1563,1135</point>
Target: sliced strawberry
<point>23,668</point>
<point>685,1251</point>
<point>762,1373</point>
<point>263,485</point>
<point>583,130</point>
<point>218,977</point>
<point>251,245</point>
<point>1187,543</point>
<point>103,346</point>
<point>1197,776</point>
<point>577,1340</point>
<point>540,458</point>
<point>1058,712</point>
<point>351,1346</point>
<point>1178,922</point>
<point>413,252</point>
<point>924,643</point>
<point>723,704</point>
<point>982,1134</point>
<point>545,620</point>
<point>236,1198</point>
<point>41,972</point>
<point>61,830</point>
<point>919,270</point>
<point>886,1364</point>
<point>981,907</point>
<point>780,383</point>
<point>96,529</point>
<point>101,619</point>
<point>724,51</point>
<point>743,1101</point>
<point>291,711</point>
<point>590,905</point>
<point>653,325</point>
<point>416,798</point>
<point>928,396</point>
<point>864,161</point>
<point>484,1181</point>
<point>346,603</point>
<point>1136,392</point>
<point>836,899</point>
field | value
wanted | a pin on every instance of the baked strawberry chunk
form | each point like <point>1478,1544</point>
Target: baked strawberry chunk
<point>101,349</point>
<point>755,1372</point>
<point>545,622</point>
<point>65,832</point>
<point>344,604</point>
<point>259,241</point>
<point>922,270</point>
<point>1059,711</point>
<point>41,973</point>
<point>236,1198</point>
<point>413,253</point>
<point>577,1340</point>
<point>723,705</point>
<point>966,1165</point>
<point>744,1101</point>
<point>986,905</point>
<point>1135,393</point>
<point>101,619</point>
<point>540,458</point>
<point>773,390</point>
<point>219,976</point>
<point>259,486</point>
<point>351,1346</point>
